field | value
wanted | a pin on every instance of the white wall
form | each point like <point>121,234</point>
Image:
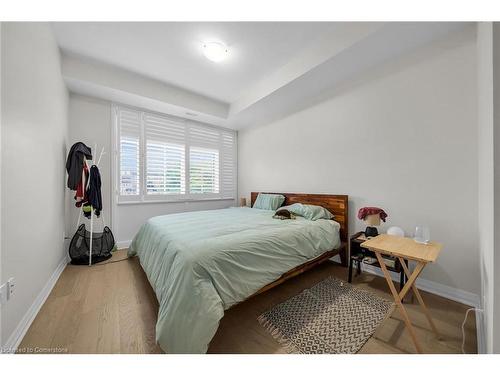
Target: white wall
<point>404,138</point>
<point>486,173</point>
<point>34,132</point>
<point>90,121</point>
<point>488,54</point>
<point>495,348</point>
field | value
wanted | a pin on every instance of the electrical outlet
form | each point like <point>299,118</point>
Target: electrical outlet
<point>11,283</point>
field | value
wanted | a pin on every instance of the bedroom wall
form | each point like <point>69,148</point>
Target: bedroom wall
<point>34,134</point>
<point>488,52</point>
<point>495,347</point>
<point>486,174</point>
<point>402,137</point>
<point>90,120</point>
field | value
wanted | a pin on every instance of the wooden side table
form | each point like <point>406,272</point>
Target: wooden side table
<point>405,249</point>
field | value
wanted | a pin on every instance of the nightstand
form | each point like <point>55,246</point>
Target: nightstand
<point>360,255</point>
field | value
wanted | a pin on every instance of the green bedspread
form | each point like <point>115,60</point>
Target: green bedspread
<point>201,263</point>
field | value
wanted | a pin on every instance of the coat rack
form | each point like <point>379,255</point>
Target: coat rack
<point>91,207</point>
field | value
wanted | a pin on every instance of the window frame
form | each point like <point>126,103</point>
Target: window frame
<point>143,197</point>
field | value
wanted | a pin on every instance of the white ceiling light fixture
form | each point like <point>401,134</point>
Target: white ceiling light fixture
<point>215,51</point>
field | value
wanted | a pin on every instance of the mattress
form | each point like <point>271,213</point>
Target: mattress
<point>202,263</point>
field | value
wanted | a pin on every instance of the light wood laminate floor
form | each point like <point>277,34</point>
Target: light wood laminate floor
<point>111,308</point>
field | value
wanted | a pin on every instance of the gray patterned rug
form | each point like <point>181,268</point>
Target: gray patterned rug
<point>331,317</point>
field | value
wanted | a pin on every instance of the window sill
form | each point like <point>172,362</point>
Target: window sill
<point>163,201</point>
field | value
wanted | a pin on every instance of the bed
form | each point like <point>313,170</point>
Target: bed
<point>201,263</point>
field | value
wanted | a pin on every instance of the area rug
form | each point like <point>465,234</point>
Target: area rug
<point>331,317</point>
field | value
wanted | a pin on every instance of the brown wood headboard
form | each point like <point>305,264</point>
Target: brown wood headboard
<point>336,204</point>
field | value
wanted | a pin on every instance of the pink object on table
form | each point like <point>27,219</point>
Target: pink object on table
<point>366,211</point>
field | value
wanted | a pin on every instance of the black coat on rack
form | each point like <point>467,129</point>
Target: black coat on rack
<point>74,164</point>
<point>94,190</point>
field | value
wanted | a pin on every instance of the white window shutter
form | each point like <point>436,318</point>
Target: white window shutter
<point>204,159</point>
<point>204,136</point>
<point>129,143</point>
<point>228,165</point>
<point>165,155</point>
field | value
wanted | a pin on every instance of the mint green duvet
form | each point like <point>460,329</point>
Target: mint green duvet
<point>202,263</point>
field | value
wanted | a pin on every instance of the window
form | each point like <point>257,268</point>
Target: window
<point>165,155</point>
<point>165,168</point>
<point>162,157</point>
<point>203,170</point>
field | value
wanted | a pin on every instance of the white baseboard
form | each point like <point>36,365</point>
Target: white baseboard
<point>454,294</point>
<point>448,292</point>
<point>16,337</point>
<point>123,244</point>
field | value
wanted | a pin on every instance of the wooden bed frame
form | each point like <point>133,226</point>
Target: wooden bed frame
<point>338,206</point>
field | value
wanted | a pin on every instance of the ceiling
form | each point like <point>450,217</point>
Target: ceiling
<point>274,68</point>
<point>171,52</point>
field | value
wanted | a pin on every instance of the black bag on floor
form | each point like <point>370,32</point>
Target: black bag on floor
<point>102,245</point>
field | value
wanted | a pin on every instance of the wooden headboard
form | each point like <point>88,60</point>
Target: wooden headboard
<point>336,204</point>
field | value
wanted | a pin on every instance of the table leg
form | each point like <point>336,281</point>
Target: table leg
<point>420,299</point>
<point>401,282</point>
<point>411,279</point>
<point>397,299</point>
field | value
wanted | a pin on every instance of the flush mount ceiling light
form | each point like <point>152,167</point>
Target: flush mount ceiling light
<point>215,51</point>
